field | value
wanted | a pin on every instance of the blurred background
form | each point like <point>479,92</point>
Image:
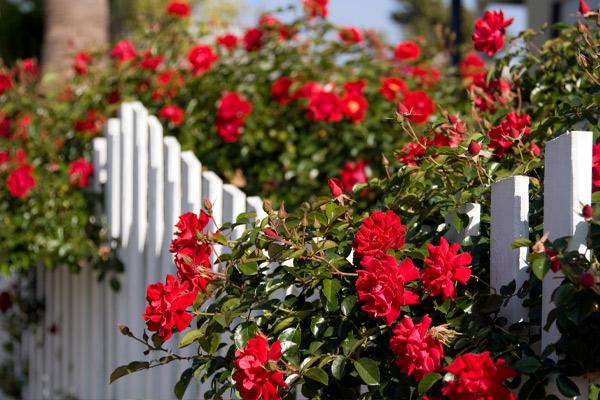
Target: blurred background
<point>52,30</point>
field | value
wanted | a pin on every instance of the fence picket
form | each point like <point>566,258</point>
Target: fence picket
<point>212,190</point>
<point>234,204</point>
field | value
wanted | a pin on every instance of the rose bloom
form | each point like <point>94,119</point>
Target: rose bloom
<point>5,82</point>
<point>512,128</point>
<point>91,124</point>
<point>324,106</point>
<point>178,8</point>
<point>596,166</point>
<point>477,377</point>
<point>354,104</point>
<point>417,352</point>
<point>193,265</point>
<point>252,39</point>
<point>393,88</point>
<point>255,369</point>
<point>80,172</point>
<point>308,89</point>
<point>172,113</point>
<point>123,51</point>
<point>419,106</point>
<point>407,51</point>
<point>426,77</point>
<point>353,173</point>
<point>378,233</point>
<point>4,125</point>
<point>280,90</point>
<point>81,62</point>
<point>315,8</point>
<point>380,286</point>
<point>29,66</point>
<point>167,304</point>
<point>488,36</point>
<point>150,62</point>
<point>201,58</point>
<point>486,95</point>
<point>471,65</point>
<point>228,40</point>
<point>231,114</point>
<point>21,181</point>
<point>187,227</point>
<point>444,267</point>
<point>350,35</point>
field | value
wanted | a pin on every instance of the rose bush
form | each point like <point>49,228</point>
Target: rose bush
<point>362,295</point>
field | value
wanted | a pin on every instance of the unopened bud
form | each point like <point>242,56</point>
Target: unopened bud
<point>588,212</point>
<point>282,214</point>
<point>474,148</point>
<point>208,205</point>
<point>124,330</point>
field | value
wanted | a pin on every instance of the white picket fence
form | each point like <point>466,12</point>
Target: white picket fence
<point>148,182</point>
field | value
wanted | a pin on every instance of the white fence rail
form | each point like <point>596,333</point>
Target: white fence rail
<point>148,182</point>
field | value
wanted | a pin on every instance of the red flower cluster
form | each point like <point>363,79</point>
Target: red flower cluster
<point>596,166</point>
<point>201,58</point>
<point>425,76</point>
<point>231,114</point>
<point>167,304</point>
<point>4,125</point>
<point>380,286</point>
<point>444,267</point>
<point>169,81</point>
<point>489,32</point>
<point>350,35</point>
<point>477,377</point>
<point>192,257</point>
<point>325,105</point>
<point>407,51</point>
<point>316,8</point>
<point>393,88</point>
<point>354,104</point>
<point>178,8</point>
<point>256,375</point>
<point>378,233</point>
<point>353,173</point>
<point>228,40</point>
<point>513,127</point>
<point>5,82</point>
<point>80,172</point>
<point>91,124</point>
<point>488,94</point>
<point>280,90</point>
<point>253,39</point>
<point>149,61</point>
<point>471,66</point>
<point>417,106</point>
<point>21,181</point>
<point>417,352</point>
<point>450,133</point>
<point>81,62</point>
<point>412,153</point>
<point>173,113</point>
<point>123,51</point>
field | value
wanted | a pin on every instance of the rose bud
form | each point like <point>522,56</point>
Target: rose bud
<point>587,280</point>
<point>584,8</point>
<point>270,233</point>
<point>588,212</point>
<point>335,186</point>
<point>474,148</point>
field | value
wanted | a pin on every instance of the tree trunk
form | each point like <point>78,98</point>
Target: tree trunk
<point>71,26</point>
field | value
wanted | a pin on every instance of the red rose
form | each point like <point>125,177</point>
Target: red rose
<point>308,89</point>
<point>535,150</point>
<point>29,67</point>
<point>488,95</point>
<point>193,266</point>
<point>444,267</point>
<point>201,58</point>
<point>173,114</point>
<point>354,104</point>
<point>315,8</point>
<point>256,375</point>
<point>167,304</point>
<point>188,226</point>
<point>380,286</point>
<point>252,39</point>
<point>4,158</point>
<point>378,233</point>
<point>477,377</point>
<point>406,51</point>
<point>149,61</point>
<point>178,8</point>
<point>420,106</point>
<point>114,97</point>
<point>393,88</point>
<point>353,173</point>
<point>5,82</point>
<point>489,32</point>
<point>350,35</point>
<point>513,127</point>
<point>21,181</point>
<point>451,133</point>
<point>79,172</point>
<point>324,106</point>
<point>81,62</point>
<point>596,166</point>
<point>474,148</point>
<point>4,125</point>
<point>426,77</point>
<point>587,279</point>
<point>471,65</point>
<point>417,352</point>
<point>228,40</point>
<point>280,90</point>
<point>231,113</point>
<point>91,124</point>
<point>123,51</point>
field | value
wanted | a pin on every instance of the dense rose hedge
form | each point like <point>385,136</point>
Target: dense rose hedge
<point>359,294</point>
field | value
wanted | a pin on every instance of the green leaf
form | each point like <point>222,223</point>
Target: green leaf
<point>248,268</point>
<point>427,382</point>
<point>566,386</point>
<point>128,369</point>
<point>189,338</point>
<point>284,323</point>
<point>317,325</point>
<point>527,365</point>
<point>183,383</point>
<point>347,305</point>
<point>337,367</point>
<point>368,371</point>
<point>317,374</point>
<point>539,266</point>
<point>331,287</point>
<point>521,243</point>
<point>243,333</point>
